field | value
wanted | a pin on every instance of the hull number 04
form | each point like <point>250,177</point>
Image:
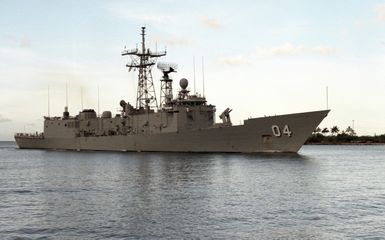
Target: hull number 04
<point>279,132</point>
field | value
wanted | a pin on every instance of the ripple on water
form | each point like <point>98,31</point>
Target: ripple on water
<point>326,192</point>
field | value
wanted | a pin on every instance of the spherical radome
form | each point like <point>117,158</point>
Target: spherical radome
<point>183,83</point>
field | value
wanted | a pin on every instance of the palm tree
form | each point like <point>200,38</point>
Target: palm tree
<point>335,130</point>
<point>325,130</point>
<point>350,131</point>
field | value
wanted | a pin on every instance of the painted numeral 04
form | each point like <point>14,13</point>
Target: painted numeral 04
<point>278,132</point>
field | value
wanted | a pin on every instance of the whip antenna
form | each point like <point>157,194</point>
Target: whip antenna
<point>48,102</point>
<point>194,74</point>
<point>327,97</point>
<point>81,97</point>
<point>67,94</point>
<point>203,76</point>
<point>98,102</point>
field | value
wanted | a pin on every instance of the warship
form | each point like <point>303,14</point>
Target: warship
<point>184,123</point>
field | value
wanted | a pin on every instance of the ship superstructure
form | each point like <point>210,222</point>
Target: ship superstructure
<point>184,123</point>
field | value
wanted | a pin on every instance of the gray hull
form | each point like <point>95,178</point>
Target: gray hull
<point>266,134</point>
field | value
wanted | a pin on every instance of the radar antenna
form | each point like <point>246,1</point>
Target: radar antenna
<point>143,60</point>
<point>166,82</point>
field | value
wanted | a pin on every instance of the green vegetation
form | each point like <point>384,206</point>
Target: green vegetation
<point>348,136</point>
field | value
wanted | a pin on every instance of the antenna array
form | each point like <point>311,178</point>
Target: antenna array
<point>166,82</point>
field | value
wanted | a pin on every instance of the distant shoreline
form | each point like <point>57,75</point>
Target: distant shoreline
<point>345,139</point>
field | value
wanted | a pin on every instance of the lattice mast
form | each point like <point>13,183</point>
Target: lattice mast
<point>143,60</point>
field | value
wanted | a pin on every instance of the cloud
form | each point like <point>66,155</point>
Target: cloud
<point>380,12</point>
<point>21,42</point>
<point>233,60</point>
<point>174,41</point>
<point>178,41</point>
<point>210,22</point>
<point>4,119</point>
<point>324,50</point>
<point>289,49</point>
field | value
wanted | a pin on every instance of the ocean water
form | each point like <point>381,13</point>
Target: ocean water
<point>324,192</point>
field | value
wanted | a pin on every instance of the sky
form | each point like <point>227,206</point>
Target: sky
<point>260,57</point>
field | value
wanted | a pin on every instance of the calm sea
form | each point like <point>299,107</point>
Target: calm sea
<point>324,192</point>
